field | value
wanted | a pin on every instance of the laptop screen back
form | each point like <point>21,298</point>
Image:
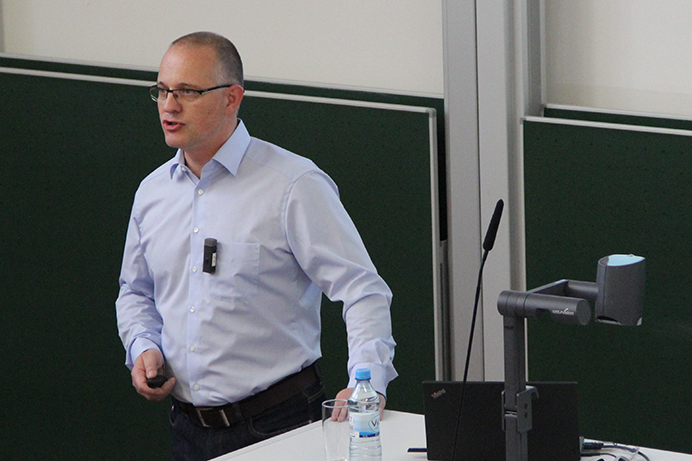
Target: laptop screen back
<point>554,436</point>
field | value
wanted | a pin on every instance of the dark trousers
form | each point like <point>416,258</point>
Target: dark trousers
<point>192,442</point>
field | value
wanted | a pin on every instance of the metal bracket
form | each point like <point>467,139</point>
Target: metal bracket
<point>525,409</point>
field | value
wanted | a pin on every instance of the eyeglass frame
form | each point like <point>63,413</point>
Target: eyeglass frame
<point>169,91</point>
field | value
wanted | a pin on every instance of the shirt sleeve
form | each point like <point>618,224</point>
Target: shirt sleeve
<point>139,323</point>
<point>327,245</point>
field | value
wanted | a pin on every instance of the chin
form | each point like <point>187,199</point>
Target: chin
<point>172,142</point>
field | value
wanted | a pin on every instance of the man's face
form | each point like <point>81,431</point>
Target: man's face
<point>200,126</point>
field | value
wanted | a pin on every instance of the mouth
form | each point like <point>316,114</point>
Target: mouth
<point>171,125</point>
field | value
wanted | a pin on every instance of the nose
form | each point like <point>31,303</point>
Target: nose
<point>169,102</point>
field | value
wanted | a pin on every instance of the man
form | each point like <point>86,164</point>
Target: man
<point>229,247</point>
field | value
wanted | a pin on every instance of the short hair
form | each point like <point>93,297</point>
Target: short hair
<point>230,64</point>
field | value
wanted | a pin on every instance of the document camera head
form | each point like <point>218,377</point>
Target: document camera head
<point>620,280</point>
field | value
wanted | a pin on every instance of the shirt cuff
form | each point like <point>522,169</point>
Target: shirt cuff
<point>138,346</point>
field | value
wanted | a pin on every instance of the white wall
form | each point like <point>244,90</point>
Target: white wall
<point>392,46</point>
<point>632,55</point>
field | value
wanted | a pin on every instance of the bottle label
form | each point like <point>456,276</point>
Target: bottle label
<point>364,425</point>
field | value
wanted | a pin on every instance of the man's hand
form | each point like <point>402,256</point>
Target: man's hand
<point>346,393</point>
<point>148,365</point>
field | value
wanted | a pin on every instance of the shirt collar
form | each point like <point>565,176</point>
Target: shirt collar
<point>229,155</point>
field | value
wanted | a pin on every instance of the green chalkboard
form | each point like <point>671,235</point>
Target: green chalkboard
<point>74,151</point>
<point>590,192</point>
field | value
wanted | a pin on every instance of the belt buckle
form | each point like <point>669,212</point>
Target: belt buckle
<point>200,415</point>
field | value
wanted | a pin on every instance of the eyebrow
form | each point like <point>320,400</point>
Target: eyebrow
<point>182,85</point>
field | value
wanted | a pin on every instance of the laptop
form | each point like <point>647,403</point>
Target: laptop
<point>554,436</point>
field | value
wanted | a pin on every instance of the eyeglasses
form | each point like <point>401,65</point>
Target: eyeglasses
<point>187,94</point>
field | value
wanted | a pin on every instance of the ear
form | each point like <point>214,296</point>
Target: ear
<point>235,95</point>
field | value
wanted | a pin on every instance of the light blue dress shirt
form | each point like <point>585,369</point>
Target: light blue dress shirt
<point>283,238</point>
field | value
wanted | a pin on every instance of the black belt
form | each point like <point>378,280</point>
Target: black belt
<point>254,405</point>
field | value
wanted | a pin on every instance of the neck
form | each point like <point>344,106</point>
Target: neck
<point>195,160</point>
<point>195,163</point>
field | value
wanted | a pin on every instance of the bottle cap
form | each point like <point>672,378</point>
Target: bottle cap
<point>362,373</point>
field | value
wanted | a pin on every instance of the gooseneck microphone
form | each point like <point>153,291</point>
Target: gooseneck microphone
<point>488,244</point>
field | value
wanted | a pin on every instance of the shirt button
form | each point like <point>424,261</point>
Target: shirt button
<point>195,230</point>
<point>194,268</point>
<point>192,348</point>
<point>200,191</point>
<point>196,387</point>
<point>192,309</point>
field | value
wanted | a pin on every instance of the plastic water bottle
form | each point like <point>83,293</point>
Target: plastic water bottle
<point>364,419</point>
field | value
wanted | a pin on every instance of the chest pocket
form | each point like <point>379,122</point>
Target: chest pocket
<point>237,272</point>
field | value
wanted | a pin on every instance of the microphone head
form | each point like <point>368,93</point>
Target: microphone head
<point>490,235</point>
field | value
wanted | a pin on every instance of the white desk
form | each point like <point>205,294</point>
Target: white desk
<point>400,431</point>
<point>654,455</point>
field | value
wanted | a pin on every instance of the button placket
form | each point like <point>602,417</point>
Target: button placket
<point>196,289</point>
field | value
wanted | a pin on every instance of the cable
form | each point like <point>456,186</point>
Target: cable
<point>598,446</point>
<point>594,454</point>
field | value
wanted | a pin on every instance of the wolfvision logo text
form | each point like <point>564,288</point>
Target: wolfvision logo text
<point>565,312</point>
